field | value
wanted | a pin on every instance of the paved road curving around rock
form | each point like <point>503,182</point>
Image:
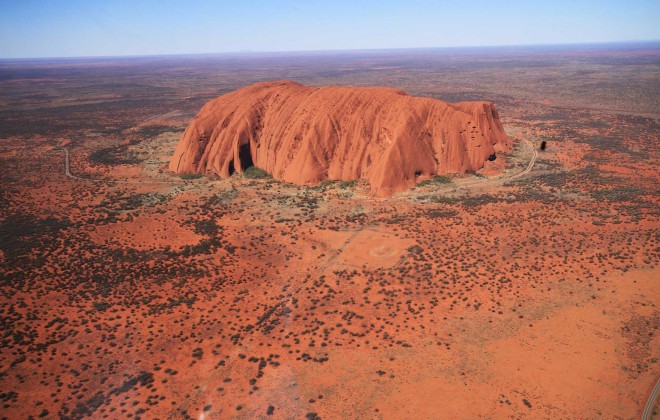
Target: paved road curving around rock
<point>535,155</point>
<point>67,167</point>
<point>650,404</point>
<point>67,172</point>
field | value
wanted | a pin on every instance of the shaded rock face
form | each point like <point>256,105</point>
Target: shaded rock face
<point>307,134</point>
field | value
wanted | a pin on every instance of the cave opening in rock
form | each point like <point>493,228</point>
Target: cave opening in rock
<point>492,157</point>
<point>245,156</point>
<point>231,168</point>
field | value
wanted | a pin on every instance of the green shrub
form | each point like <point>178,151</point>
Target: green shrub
<point>256,173</point>
<point>323,185</point>
<point>441,179</point>
<point>114,155</point>
<point>191,176</point>
<point>437,180</point>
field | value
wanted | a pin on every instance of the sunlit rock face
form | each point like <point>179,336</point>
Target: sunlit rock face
<point>307,134</point>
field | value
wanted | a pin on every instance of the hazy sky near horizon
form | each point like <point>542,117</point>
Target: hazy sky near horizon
<point>68,28</point>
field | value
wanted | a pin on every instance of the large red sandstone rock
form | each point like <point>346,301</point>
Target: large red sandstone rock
<point>306,134</point>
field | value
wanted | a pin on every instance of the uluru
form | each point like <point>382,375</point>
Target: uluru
<point>306,134</point>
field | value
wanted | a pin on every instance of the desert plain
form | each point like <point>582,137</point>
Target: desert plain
<point>527,289</point>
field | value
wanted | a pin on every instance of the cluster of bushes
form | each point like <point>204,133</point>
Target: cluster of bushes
<point>329,183</point>
<point>206,227</point>
<point>150,131</point>
<point>436,180</point>
<point>221,198</point>
<point>114,155</point>
<point>136,201</point>
<point>253,172</point>
<point>190,176</point>
<point>623,193</point>
<point>22,233</point>
<point>441,214</point>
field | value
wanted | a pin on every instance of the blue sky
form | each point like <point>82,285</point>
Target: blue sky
<point>66,28</point>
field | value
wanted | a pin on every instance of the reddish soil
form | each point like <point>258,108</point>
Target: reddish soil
<point>147,295</point>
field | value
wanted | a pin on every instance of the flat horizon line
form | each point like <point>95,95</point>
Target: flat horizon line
<point>634,42</point>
